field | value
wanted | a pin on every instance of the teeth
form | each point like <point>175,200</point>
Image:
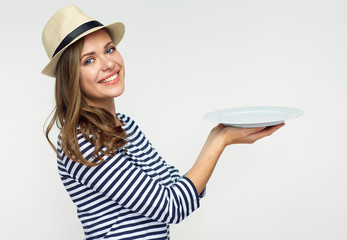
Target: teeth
<point>110,78</point>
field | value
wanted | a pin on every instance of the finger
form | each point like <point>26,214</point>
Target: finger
<point>266,132</point>
<point>250,131</point>
<point>275,127</point>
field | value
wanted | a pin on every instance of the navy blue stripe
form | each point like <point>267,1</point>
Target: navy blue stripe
<point>162,211</point>
<point>175,209</point>
<point>135,225</point>
<point>91,208</point>
<point>146,199</point>
<point>91,217</point>
<point>190,194</point>
<point>185,199</point>
<point>128,183</point>
<point>139,179</point>
<point>94,199</point>
<point>140,193</point>
<point>151,202</point>
<point>120,175</point>
<point>104,172</point>
<point>136,189</point>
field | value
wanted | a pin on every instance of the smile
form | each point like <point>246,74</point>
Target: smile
<point>109,79</point>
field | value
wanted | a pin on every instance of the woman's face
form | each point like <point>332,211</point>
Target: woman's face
<point>102,69</point>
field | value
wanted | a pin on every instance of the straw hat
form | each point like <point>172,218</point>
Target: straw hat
<point>67,26</point>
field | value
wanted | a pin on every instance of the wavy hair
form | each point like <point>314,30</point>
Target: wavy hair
<point>72,115</point>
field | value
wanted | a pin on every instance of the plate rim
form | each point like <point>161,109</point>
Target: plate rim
<point>296,113</point>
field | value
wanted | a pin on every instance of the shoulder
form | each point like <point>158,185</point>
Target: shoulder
<point>128,122</point>
<point>132,129</point>
<point>123,118</point>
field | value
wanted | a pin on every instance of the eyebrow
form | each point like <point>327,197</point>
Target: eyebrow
<point>91,53</point>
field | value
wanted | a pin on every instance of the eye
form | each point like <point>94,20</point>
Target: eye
<point>88,61</point>
<point>110,50</point>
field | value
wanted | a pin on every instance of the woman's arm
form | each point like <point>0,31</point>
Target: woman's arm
<point>218,139</point>
<point>125,183</point>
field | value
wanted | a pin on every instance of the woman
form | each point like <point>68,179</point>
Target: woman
<point>122,188</point>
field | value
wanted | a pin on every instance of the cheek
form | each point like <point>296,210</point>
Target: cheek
<point>119,59</point>
<point>86,81</point>
<point>84,87</point>
<point>88,75</point>
<point>122,66</point>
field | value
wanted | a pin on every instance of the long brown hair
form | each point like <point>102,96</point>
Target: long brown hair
<point>73,115</point>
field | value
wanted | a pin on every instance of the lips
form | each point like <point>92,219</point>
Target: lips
<point>109,79</point>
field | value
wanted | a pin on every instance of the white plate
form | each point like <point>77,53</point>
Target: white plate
<point>249,117</point>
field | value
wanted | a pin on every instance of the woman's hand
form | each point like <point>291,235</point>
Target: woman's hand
<point>220,137</point>
<point>232,135</point>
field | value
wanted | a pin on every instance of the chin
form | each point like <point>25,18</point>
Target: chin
<point>119,92</point>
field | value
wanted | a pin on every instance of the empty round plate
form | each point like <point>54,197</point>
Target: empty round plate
<point>250,117</point>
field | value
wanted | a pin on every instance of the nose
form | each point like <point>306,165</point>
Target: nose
<point>107,64</point>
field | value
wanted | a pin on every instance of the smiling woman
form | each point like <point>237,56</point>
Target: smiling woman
<point>102,71</point>
<point>121,186</point>
<point>78,104</point>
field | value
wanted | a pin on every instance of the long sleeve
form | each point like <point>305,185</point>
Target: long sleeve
<point>120,180</point>
<point>134,187</point>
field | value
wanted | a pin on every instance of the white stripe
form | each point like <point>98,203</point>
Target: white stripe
<point>164,177</point>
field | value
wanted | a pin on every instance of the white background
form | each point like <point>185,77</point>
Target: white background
<point>183,59</point>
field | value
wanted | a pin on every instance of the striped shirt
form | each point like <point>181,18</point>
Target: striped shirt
<point>134,194</point>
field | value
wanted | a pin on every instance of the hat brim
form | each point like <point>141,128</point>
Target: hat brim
<point>116,31</point>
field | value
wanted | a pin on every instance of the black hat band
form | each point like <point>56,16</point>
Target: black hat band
<point>75,33</point>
